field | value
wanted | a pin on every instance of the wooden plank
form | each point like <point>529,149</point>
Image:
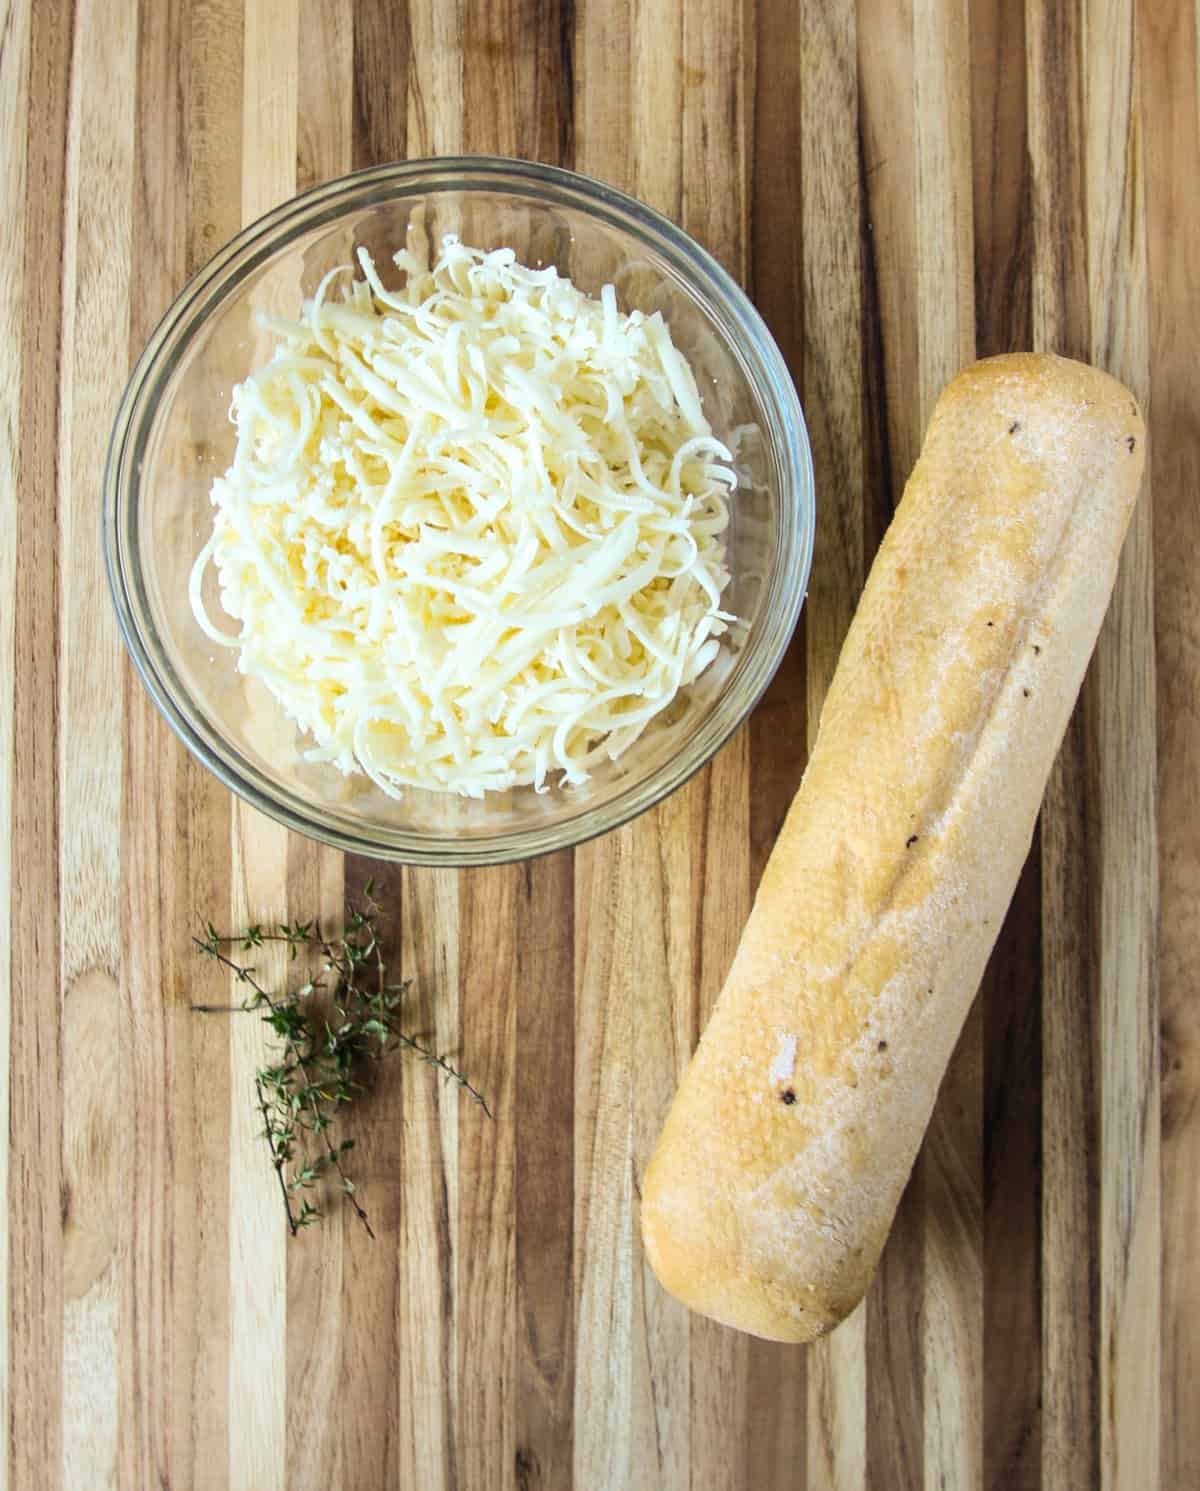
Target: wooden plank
<point>427,1343</point>
<point>633,917</point>
<point>158,1348</point>
<point>603,1168</point>
<point>177,860</point>
<point>35,1220</point>
<point>340,1284</point>
<point>426,1390</point>
<point>174,1365</point>
<point>517,100</point>
<point>505,1328</point>
<point>1168,59</point>
<point>887,143</point>
<point>95,338</point>
<point>365,90</point>
<point>654,931</point>
<point>1126,1001</point>
<point>720,847</point>
<point>325,91</point>
<point>1011,992</point>
<point>1060,320</point>
<point>715,209</point>
<point>14,107</point>
<point>380,62</point>
<point>543,1204</point>
<point>435,78</point>
<point>893,1312</point>
<point>257,1261</point>
<point>1100,1012</point>
<point>786,258</point>
<point>604,135</point>
<point>1054,48</point>
<point>1012,1201</point>
<point>1000,168</point>
<point>493,904</point>
<point>655,104</point>
<point>518,80</point>
<point>952,1157</point>
<point>820,299</point>
<point>213,96</point>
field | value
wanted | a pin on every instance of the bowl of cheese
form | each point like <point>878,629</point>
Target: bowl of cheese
<point>458,511</point>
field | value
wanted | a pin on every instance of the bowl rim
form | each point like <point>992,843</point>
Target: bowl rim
<point>699,274</point>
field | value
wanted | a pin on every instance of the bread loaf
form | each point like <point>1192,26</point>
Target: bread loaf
<point>777,1175</point>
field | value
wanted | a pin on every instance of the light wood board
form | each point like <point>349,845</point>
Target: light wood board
<point>901,185</point>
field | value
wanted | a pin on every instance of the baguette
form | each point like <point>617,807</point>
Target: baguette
<point>777,1175</point>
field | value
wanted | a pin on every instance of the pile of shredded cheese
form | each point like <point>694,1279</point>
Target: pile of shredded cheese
<point>472,531</point>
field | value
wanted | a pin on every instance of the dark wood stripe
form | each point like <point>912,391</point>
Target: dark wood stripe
<point>1060,313</point>
<point>1061,322</point>
<point>885,88</point>
<point>895,1332</point>
<point>381,66</point>
<point>1011,992</point>
<point>1012,1331</point>
<point>1002,188</point>
<point>1071,1445</point>
<point>519,63</point>
<point>1168,46</point>
<point>544,1201</point>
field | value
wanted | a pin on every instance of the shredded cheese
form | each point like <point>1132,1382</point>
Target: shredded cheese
<point>472,531</point>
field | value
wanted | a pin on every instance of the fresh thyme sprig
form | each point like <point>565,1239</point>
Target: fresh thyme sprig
<point>344,1015</point>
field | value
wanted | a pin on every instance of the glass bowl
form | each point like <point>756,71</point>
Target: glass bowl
<point>173,436</point>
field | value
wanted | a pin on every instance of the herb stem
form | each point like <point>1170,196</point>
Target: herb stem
<point>246,976</point>
<point>451,1073</point>
<point>315,1071</point>
<point>276,1159</point>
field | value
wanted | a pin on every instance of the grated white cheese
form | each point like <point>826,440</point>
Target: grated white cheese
<point>472,531</point>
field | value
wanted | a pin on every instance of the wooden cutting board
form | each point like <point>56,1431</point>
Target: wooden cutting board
<point>901,187</point>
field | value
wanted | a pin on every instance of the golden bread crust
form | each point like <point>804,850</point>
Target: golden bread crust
<point>782,1160</point>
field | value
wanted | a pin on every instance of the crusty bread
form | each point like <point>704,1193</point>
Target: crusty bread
<point>768,1200</point>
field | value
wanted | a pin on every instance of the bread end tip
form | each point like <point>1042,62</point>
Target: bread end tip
<point>705,1271</point>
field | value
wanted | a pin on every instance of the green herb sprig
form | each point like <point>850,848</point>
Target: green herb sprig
<point>328,1029</point>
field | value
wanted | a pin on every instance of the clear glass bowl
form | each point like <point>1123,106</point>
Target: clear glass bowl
<point>173,436</point>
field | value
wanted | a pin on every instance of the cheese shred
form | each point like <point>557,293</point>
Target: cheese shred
<point>473,529</point>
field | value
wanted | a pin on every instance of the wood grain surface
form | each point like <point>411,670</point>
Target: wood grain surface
<point>901,185</point>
